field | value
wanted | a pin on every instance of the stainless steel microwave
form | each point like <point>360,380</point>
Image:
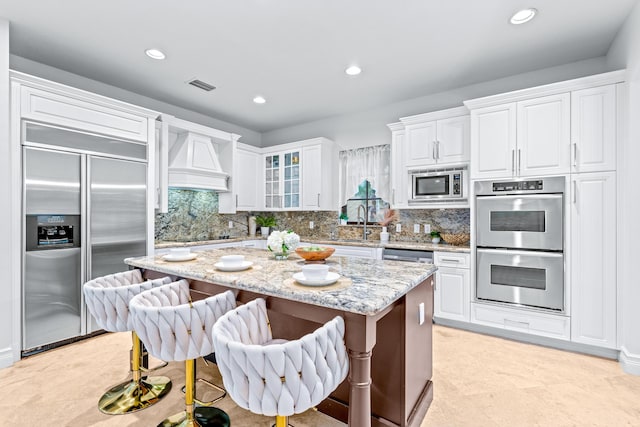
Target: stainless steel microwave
<point>437,185</point>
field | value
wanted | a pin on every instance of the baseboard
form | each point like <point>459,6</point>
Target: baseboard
<point>6,357</point>
<point>607,353</point>
<point>630,363</point>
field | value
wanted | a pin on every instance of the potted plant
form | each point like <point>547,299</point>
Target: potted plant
<point>265,222</point>
<point>343,218</point>
<point>435,236</point>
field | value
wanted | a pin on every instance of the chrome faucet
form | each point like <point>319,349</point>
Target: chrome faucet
<point>365,212</point>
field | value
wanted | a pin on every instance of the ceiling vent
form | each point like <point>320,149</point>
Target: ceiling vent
<point>201,85</point>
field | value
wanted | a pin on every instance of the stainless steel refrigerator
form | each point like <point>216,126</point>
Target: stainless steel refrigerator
<point>84,210</point>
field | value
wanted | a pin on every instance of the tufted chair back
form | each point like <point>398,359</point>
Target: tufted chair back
<point>171,326</point>
<point>108,298</point>
<point>272,378</point>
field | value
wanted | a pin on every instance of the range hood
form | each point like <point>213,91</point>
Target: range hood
<point>194,164</point>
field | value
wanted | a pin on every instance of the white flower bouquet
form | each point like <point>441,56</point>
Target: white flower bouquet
<point>282,242</point>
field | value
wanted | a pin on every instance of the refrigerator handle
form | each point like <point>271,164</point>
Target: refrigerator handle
<point>85,263</point>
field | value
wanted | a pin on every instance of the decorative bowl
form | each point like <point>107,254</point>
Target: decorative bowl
<point>455,239</point>
<point>315,253</point>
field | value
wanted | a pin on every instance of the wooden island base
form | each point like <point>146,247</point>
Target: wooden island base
<point>390,353</point>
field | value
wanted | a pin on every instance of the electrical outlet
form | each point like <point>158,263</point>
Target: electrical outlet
<point>230,224</point>
<point>398,228</point>
<point>416,228</point>
<point>427,228</point>
<point>311,225</point>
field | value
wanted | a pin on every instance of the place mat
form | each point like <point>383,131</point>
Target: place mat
<point>342,283</point>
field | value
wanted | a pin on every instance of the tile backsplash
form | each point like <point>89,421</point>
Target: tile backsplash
<point>193,216</point>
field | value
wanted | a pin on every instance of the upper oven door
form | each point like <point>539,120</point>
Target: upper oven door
<point>532,221</point>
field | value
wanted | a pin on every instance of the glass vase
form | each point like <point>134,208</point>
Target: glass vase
<point>281,256</point>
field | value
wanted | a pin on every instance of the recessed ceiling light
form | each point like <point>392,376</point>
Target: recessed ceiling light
<point>155,53</point>
<point>522,16</point>
<point>259,100</point>
<point>354,70</point>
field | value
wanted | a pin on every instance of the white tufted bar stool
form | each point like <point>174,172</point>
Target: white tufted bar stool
<point>108,299</point>
<point>175,328</point>
<point>277,377</point>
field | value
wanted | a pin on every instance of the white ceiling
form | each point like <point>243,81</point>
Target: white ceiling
<point>294,52</point>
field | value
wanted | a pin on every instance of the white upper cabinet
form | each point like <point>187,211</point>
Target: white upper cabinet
<point>437,138</point>
<point>399,176</point>
<point>247,184</point>
<point>593,129</point>
<point>521,138</point>
<point>546,130</point>
<point>301,176</point>
<point>453,140</point>
<point>493,141</point>
<point>543,129</point>
<point>421,144</point>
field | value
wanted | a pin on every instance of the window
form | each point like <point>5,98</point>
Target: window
<point>372,205</point>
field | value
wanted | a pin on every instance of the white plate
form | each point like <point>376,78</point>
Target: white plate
<point>331,278</point>
<point>245,264</point>
<point>180,257</point>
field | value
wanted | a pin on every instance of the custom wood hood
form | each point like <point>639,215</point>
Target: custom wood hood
<point>194,164</point>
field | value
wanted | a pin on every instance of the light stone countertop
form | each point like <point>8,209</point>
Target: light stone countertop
<point>442,247</point>
<point>375,284</point>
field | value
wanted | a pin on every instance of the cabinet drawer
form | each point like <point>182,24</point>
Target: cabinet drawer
<point>547,325</point>
<point>451,259</point>
<point>82,114</point>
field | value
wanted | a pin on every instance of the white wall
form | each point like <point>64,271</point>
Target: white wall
<point>6,265</point>
<point>60,76</point>
<point>625,53</point>
<point>367,128</point>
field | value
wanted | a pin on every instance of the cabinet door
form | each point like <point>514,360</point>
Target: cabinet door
<point>291,180</point>
<point>247,184</point>
<point>312,177</point>
<point>272,198</point>
<point>421,146</point>
<point>493,141</point>
<point>543,135</point>
<point>593,129</point>
<point>399,175</point>
<point>453,140</point>
<point>451,295</point>
<point>593,259</point>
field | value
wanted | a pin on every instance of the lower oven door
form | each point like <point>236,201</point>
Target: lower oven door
<point>528,278</point>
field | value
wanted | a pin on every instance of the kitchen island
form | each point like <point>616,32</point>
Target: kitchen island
<point>387,307</point>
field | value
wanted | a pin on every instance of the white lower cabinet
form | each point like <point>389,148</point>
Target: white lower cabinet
<point>593,259</point>
<point>513,319</point>
<point>452,293</point>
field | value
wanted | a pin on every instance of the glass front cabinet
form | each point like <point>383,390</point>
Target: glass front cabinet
<point>282,180</point>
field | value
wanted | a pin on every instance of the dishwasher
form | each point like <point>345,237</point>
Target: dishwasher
<point>412,255</point>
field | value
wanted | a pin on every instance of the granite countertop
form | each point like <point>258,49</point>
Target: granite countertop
<point>444,247</point>
<point>372,285</point>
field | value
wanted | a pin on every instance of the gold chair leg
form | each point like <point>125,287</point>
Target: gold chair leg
<point>210,384</point>
<point>194,416</point>
<point>282,421</point>
<point>139,393</point>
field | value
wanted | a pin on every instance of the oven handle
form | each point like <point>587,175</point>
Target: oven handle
<point>511,252</point>
<point>522,196</point>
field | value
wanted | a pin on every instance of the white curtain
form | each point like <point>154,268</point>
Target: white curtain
<point>370,163</point>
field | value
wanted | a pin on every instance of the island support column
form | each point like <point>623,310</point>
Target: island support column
<point>360,338</point>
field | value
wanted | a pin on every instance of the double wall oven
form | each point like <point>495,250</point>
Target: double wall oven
<point>520,242</point>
